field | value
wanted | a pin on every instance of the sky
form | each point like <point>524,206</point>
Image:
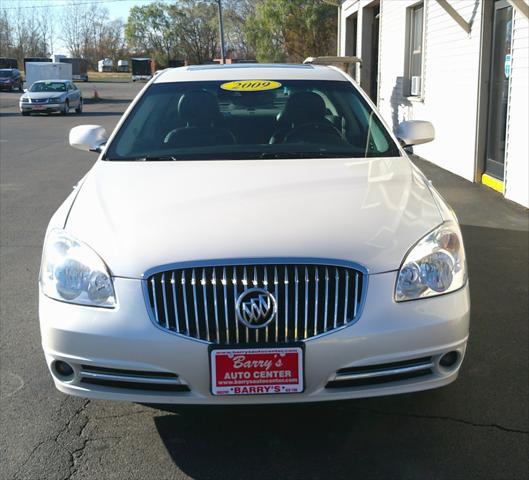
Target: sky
<point>116,9</point>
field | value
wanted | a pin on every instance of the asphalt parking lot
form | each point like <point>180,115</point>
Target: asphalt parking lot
<point>475,428</point>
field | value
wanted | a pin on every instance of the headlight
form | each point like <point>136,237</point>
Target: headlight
<point>56,100</point>
<point>435,265</point>
<point>24,99</point>
<point>72,272</point>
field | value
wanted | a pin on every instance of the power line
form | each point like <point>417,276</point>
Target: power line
<point>68,4</point>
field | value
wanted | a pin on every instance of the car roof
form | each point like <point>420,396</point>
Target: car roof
<point>60,80</point>
<point>249,71</point>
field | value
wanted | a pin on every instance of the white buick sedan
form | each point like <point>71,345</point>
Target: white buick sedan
<point>252,234</point>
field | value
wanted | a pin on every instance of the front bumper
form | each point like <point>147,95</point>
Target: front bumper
<point>125,338</point>
<point>41,107</point>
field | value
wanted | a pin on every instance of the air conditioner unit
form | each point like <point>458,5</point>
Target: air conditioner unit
<point>415,86</point>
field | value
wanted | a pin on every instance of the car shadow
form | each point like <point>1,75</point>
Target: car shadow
<point>294,442</point>
<point>10,114</point>
<point>98,114</point>
<point>402,436</point>
<point>108,101</point>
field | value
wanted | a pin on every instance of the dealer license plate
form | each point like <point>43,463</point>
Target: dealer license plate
<point>256,371</point>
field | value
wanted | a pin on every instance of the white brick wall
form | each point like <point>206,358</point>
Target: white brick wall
<point>517,155</point>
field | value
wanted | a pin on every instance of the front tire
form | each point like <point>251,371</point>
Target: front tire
<point>24,114</point>
<point>79,109</point>
<point>20,89</point>
<point>66,108</point>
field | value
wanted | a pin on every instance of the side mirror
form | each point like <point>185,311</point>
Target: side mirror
<point>89,138</point>
<point>25,90</point>
<point>415,132</point>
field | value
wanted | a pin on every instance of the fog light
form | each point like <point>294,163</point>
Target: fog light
<point>449,359</point>
<point>63,370</point>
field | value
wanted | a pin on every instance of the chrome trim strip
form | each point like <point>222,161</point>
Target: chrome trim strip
<point>234,283</point>
<point>173,284</point>
<point>356,293</point>
<point>346,297</point>
<point>276,283</point>
<point>153,283</point>
<point>215,303</point>
<point>296,303</point>
<point>285,283</point>
<point>245,285</point>
<point>326,317</point>
<point>225,294</point>
<point>185,302</point>
<point>131,378</point>
<point>336,291</point>
<point>381,373</point>
<point>194,286</point>
<point>204,282</point>
<point>230,262</point>
<point>164,296</point>
<point>265,282</point>
<point>316,294</point>
<point>305,332</point>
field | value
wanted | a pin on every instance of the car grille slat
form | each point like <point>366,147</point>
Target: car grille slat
<point>175,303</point>
<point>200,302</point>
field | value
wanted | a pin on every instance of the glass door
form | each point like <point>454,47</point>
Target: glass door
<point>500,71</point>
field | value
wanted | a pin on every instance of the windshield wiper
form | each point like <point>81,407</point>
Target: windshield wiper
<point>265,155</point>
<point>161,158</point>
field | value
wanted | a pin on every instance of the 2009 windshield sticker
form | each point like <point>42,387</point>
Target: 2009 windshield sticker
<point>250,85</point>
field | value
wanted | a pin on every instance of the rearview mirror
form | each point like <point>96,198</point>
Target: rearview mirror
<point>415,132</point>
<point>89,138</point>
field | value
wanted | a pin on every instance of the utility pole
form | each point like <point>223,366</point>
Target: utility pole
<point>221,25</point>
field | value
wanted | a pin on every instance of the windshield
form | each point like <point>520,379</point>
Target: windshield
<point>245,120</point>
<point>48,87</point>
<point>6,73</point>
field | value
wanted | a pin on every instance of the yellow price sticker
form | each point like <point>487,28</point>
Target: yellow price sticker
<point>250,85</point>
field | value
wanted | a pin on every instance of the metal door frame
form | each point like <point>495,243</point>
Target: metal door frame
<point>488,12</point>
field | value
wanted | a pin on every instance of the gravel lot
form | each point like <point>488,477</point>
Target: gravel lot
<point>474,428</point>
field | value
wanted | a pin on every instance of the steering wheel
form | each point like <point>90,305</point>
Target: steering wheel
<point>313,128</point>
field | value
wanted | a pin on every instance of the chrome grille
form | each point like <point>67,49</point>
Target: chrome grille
<point>200,302</point>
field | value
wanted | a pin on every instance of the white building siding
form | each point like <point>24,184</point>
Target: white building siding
<point>517,154</point>
<point>450,88</point>
<point>393,106</point>
<point>450,84</point>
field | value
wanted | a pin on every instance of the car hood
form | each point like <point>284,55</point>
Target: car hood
<point>141,215</point>
<point>39,95</point>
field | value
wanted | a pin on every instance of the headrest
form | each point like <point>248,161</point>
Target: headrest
<point>303,107</point>
<point>198,108</point>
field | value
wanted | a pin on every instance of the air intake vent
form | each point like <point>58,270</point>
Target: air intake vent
<point>382,373</point>
<point>132,379</point>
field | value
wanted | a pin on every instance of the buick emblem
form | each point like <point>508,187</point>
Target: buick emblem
<point>256,308</point>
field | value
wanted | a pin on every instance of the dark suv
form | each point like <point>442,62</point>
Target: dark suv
<point>10,79</point>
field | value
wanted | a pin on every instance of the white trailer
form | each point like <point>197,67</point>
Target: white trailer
<point>104,65</point>
<point>36,71</point>
<point>123,65</point>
